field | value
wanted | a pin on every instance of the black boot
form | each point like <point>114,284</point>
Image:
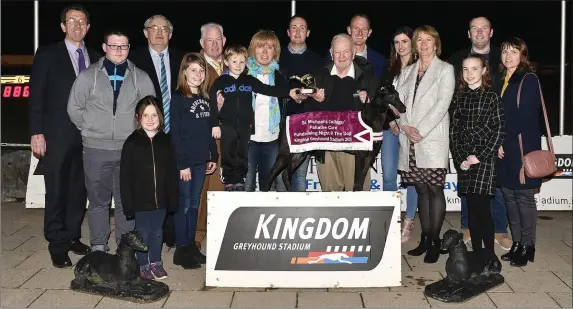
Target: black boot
<point>433,253</point>
<point>492,266</point>
<point>197,255</point>
<point>521,257</point>
<point>184,258</point>
<point>422,247</point>
<point>514,248</point>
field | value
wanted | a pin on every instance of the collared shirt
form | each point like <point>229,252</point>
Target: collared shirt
<point>351,71</point>
<point>363,53</point>
<point>212,62</point>
<point>296,51</point>
<point>157,64</point>
<point>74,56</point>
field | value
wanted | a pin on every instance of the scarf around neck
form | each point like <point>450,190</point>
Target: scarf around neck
<point>274,112</point>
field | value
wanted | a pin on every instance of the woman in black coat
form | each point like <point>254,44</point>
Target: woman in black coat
<point>524,121</point>
<point>476,134</point>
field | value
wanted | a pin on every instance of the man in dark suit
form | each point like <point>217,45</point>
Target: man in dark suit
<point>54,138</point>
<point>360,31</point>
<point>155,58</point>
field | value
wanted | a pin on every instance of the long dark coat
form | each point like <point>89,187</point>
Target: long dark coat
<point>477,129</point>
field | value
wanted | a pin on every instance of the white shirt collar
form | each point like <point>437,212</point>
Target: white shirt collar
<point>156,53</point>
<point>212,61</point>
<point>351,71</point>
<point>364,53</point>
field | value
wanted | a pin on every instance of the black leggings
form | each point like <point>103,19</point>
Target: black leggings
<point>481,224</point>
<point>432,209</point>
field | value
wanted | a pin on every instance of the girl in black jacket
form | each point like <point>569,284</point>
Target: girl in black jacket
<point>476,133</point>
<point>196,153</point>
<point>148,183</point>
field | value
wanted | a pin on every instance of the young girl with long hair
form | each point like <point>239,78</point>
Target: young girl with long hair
<point>148,183</point>
<point>196,153</point>
<point>476,133</point>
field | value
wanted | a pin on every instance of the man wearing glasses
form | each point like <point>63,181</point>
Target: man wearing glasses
<point>161,62</point>
<point>102,106</point>
<point>55,140</point>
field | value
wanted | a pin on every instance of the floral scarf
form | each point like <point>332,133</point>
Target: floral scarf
<point>274,112</point>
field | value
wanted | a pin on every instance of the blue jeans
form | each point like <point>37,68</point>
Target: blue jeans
<point>498,212</point>
<point>262,156</point>
<point>389,153</point>
<point>298,180</point>
<point>150,225</point>
<point>185,218</point>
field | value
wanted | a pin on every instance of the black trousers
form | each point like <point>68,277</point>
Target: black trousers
<point>234,153</point>
<point>481,224</point>
<point>66,196</point>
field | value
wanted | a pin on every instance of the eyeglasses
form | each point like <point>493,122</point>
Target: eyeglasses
<point>73,22</point>
<point>116,47</point>
<point>157,28</point>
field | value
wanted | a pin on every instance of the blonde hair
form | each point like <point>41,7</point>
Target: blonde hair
<point>262,38</point>
<point>431,31</point>
<point>234,50</point>
<point>182,85</point>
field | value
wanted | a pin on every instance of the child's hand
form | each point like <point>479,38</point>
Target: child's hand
<point>216,132</point>
<point>220,99</point>
<point>185,174</point>
<point>211,167</point>
<point>472,159</point>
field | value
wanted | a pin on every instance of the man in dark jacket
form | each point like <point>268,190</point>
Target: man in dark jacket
<point>480,33</point>
<point>345,84</point>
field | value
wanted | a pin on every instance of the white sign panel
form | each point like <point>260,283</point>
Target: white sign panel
<point>303,240</point>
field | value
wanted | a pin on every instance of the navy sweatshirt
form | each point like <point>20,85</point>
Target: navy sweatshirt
<point>191,130</point>
<point>238,93</point>
<point>116,73</point>
<point>298,64</point>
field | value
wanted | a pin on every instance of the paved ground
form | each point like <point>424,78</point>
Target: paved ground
<point>29,279</point>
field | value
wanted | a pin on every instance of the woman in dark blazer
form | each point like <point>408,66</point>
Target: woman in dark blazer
<point>524,121</point>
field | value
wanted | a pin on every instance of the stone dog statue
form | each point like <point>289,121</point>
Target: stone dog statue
<point>117,275</point>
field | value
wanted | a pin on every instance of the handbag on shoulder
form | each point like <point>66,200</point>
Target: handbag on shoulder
<point>538,163</point>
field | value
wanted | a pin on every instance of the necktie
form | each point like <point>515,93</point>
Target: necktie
<point>164,93</point>
<point>218,67</point>
<point>81,60</point>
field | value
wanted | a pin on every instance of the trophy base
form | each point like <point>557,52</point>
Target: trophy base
<point>306,91</point>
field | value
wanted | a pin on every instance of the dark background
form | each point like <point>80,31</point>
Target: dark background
<point>538,23</point>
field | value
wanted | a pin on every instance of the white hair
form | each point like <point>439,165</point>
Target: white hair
<point>210,25</point>
<point>147,22</point>
<point>342,36</point>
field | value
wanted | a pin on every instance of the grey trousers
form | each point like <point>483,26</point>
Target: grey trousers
<point>101,169</point>
<point>522,214</point>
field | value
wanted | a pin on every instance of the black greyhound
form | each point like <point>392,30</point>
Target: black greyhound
<point>374,114</point>
<point>458,267</point>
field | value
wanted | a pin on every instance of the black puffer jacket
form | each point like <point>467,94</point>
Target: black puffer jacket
<point>149,177</point>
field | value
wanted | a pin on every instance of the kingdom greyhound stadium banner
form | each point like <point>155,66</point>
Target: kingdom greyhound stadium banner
<point>555,194</point>
<point>303,240</point>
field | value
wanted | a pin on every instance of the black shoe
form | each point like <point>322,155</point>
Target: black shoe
<point>422,247</point>
<point>229,187</point>
<point>183,258</point>
<point>433,253</point>
<point>199,257</point>
<point>492,266</point>
<point>239,187</point>
<point>514,248</point>
<point>61,260</point>
<point>79,248</point>
<point>521,257</point>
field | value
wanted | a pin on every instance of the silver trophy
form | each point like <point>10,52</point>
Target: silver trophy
<point>308,83</point>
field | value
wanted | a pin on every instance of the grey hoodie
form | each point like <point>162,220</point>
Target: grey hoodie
<point>90,105</point>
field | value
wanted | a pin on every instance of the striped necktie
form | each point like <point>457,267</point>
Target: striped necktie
<point>164,94</point>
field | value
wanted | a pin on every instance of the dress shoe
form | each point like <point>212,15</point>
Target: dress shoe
<point>184,257</point>
<point>79,248</point>
<point>61,260</point>
<point>422,247</point>
<point>492,266</point>
<point>521,257</point>
<point>433,252</point>
<point>514,248</point>
<point>199,257</point>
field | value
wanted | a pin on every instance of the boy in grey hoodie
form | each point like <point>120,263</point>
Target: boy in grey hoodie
<point>101,105</point>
